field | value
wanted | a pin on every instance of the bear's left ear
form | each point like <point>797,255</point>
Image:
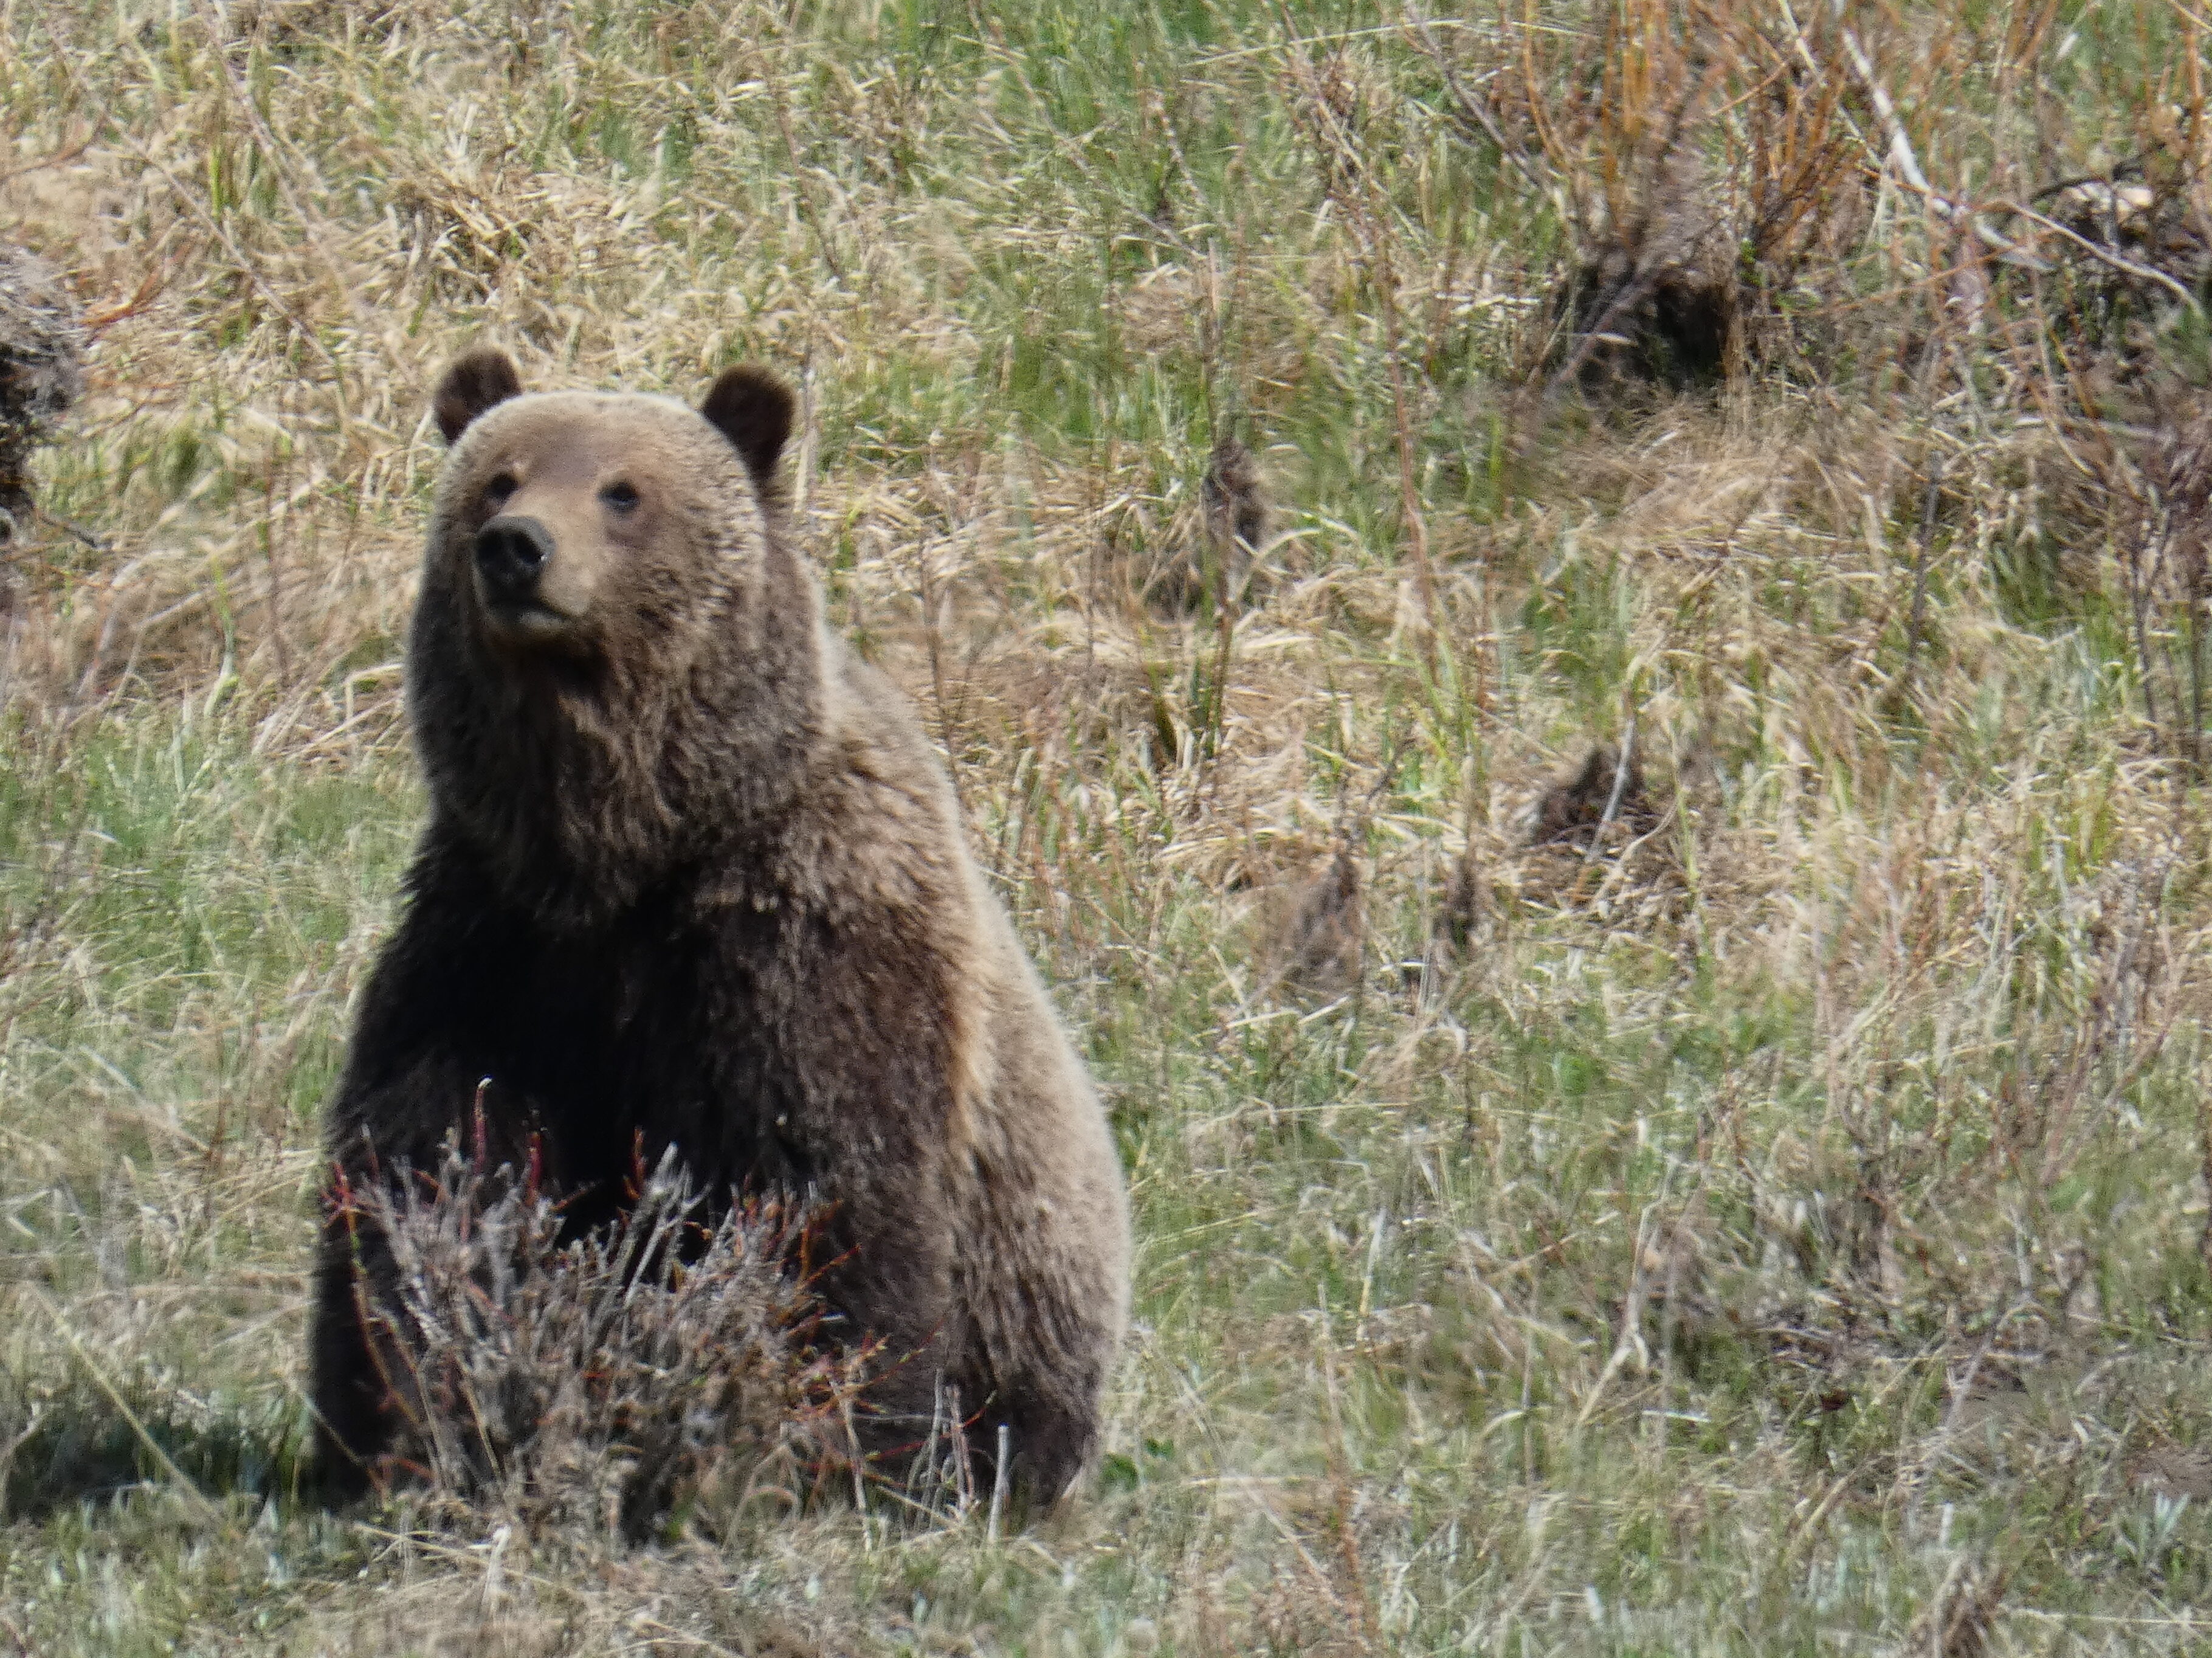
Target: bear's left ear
<point>753,409</point>
<point>474,383</point>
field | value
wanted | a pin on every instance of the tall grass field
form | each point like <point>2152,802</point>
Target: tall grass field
<point>1646,923</point>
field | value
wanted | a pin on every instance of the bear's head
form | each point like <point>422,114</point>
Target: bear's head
<point>615,663</point>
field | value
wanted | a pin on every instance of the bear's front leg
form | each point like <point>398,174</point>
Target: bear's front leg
<point>348,1383</point>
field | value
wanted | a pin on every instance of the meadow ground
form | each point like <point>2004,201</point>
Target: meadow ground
<point>1770,1216</point>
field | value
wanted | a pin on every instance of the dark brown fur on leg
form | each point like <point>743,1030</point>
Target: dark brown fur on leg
<point>351,1429</point>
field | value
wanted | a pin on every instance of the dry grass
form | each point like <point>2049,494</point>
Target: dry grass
<point>1765,1212</point>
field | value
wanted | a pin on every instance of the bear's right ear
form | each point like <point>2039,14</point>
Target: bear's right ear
<point>474,383</point>
<point>753,409</point>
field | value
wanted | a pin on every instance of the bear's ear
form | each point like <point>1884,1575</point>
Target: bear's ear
<point>474,381</point>
<point>753,409</point>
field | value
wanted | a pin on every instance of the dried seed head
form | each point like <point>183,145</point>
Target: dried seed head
<point>1236,499</point>
<point>1211,553</point>
<point>1321,946</point>
<point>1465,903</point>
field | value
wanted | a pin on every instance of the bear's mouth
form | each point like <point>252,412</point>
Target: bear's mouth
<point>529,622</point>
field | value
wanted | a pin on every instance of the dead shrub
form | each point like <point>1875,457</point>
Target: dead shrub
<point>1702,166</point>
<point>1213,553</point>
<point>1959,1622</point>
<point>1466,902</point>
<point>41,369</point>
<point>1322,941</point>
<point>665,1362</point>
<point>1581,807</point>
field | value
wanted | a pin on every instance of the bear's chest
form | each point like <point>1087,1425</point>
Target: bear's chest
<point>644,1002</point>
<point>764,1042</point>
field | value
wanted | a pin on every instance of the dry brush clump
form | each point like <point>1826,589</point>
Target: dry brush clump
<point>1821,194</point>
<point>1214,551</point>
<point>667,1361</point>
<point>41,369</point>
<point>1699,156</point>
<point>1583,806</point>
<point>1835,202</point>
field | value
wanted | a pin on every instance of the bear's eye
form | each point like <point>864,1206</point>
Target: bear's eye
<point>621,496</point>
<point>498,490</point>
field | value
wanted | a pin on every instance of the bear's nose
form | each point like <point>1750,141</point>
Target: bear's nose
<point>511,551</point>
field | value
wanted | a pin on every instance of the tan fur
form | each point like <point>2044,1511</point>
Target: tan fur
<point>694,876</point>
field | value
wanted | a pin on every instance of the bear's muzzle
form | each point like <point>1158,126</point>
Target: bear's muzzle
<point>511,553</point>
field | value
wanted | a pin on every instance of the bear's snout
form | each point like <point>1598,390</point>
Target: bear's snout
<point>511,553</point>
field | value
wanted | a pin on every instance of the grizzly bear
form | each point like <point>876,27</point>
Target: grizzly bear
<point>693,877</point>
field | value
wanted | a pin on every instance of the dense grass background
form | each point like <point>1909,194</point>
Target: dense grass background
<point>1776,1228</point>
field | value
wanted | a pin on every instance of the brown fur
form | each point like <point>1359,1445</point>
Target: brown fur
<point>692,875</point>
